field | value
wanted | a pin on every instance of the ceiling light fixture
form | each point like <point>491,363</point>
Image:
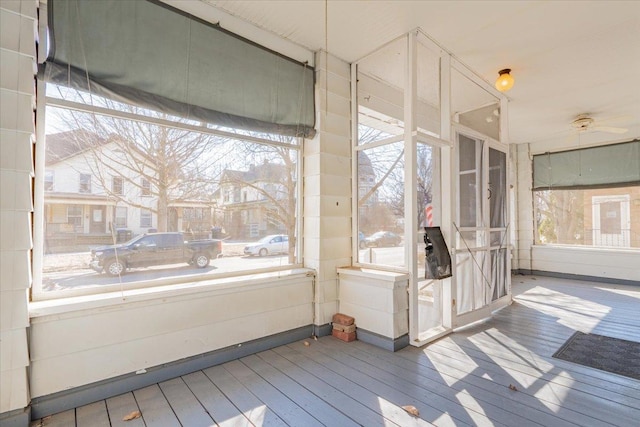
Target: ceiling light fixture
<point>505,80</point>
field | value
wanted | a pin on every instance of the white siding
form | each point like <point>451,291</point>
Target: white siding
<point>610,264</point>
<point>75,348</point>
<point>17,90</point>
<point>327,185</point>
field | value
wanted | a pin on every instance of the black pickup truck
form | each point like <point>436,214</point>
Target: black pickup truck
<point>154,249</point>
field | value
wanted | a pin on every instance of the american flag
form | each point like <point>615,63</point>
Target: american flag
<point>428,213</point>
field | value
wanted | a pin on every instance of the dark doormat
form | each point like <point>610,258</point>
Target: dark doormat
<point>600,352</point>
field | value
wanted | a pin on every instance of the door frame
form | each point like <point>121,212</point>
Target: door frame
<point>484,229</point>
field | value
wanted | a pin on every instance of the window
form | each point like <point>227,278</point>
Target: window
<point>120,217</point>
<point>381,200</point>
<point>589,196</point>
<point>601,217</point>
<point>48,180</point>
<point>117,185</point>
<point>74,218</point>
<point>194,190</point>
<point>146,218</point>
<point>145,186</point>
<point>168,151</point>
<point>85,183</point>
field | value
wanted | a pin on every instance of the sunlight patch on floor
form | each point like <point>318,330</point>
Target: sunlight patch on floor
<point>553,395</point>
<point>493,338</point>
<point>626,292</point>
<point>575,313</point>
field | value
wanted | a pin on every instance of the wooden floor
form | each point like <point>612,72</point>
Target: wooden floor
<point>499,372</point>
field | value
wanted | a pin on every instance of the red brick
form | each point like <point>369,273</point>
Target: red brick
<point>343,319</point>
<point>344,336</point>
<point>342,328</point>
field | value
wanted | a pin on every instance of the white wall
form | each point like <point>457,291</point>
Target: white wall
<point>586,261</point>
<point>327,184</point>
<point>79,344</point>
<point>17,62</point>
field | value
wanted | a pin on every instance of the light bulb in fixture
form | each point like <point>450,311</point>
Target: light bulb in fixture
<point>505,80</point>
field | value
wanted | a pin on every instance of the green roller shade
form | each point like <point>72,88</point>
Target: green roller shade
<point>149,54</point>
<point>605,166</point>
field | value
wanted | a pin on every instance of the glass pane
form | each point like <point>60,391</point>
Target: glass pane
<point>468,200</point>
<point>474,107</point>
<point>603,217</point>
<point>467,154</point>
<point>381,205</point>
<point>428,90</point>
<point>381,79</point>
<point>428,183</point>
<point>498,273</point>
<point>497,188</point>
<point>116,180</point>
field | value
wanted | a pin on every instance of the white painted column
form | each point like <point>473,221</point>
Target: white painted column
<point>410,185</point>
<point>18,31</point>
<point>327,185</point>
<point>524,215</point>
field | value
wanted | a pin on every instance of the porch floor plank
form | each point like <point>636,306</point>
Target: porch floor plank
<point>223,412</point>
<point>93,415</point>
<point>243,398</point>
<point>317,408</point>
<point>185,405</point>
<point>460,379</point>
<point>154,407</point>
<point>119,407</point>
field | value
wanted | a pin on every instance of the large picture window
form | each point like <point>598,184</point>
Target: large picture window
<point>229,189</point>
<point>207,155</point>
<point>589,197</point>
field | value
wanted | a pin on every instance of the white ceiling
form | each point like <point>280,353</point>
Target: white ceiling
<point>567,57</point>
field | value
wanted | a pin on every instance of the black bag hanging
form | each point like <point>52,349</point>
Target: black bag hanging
<point>438,260</point>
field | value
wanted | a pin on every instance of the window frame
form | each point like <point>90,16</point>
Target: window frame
<point>119,188</point>
<point>145,187</point>
<point>146,214</point>
<point>38,294</point>
<point>590,234</point>
<point>84,186</point>
<point>115,217</point>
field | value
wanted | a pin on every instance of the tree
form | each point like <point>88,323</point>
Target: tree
<point>168,164</point>
<point>381,179</point>
<point>560,216</point>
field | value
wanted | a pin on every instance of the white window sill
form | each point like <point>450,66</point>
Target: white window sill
<point>592,249</point>
<point>42,309</point>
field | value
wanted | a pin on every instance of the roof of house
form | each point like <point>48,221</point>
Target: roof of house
<point>266,172</point>
<point>62,145</point>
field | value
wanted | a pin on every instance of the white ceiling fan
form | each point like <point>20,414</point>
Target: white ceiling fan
<point>584,123</point>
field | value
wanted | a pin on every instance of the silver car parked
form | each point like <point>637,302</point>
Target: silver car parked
<point>272,244</point>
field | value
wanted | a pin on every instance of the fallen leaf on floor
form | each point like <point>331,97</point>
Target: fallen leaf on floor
<point>306,344</point>
<point>412,410</point>
<point>132,416</point>
<point>512,387</point>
